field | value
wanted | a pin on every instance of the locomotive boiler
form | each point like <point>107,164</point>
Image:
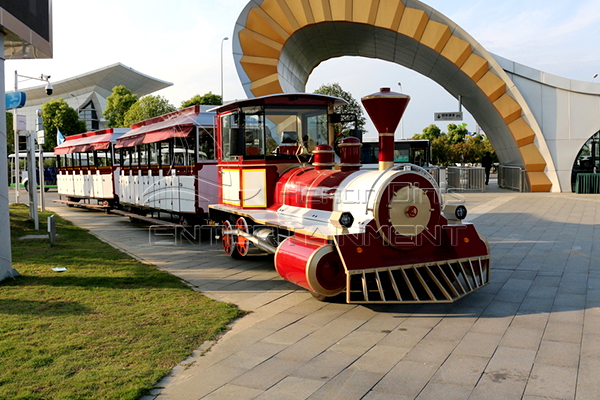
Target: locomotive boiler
<point>379,236</point>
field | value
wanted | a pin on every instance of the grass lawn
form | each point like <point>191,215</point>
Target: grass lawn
<point>108,328</point>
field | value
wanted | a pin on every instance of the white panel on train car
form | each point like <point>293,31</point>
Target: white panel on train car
<point>254,184</point>
<point>168,192</point>
<point>78,183</point>
<point>107,186</point>
<point>230,180</point>
<point>96,184</point>
<point>71,181</point>
<point>117,181</point>
<point>136,188</point>
<point>144,185</point>
<point>150,191</point>
<point>88,185</point>
<point>123,187</point>
<point>159,184</point>
<point>62,183</point>
<point>175,193</point>
<point>129,187</point>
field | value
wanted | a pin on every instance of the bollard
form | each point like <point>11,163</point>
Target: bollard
<point>51,229</point>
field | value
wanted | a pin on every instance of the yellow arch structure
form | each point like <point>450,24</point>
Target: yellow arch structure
<point>277,43</point>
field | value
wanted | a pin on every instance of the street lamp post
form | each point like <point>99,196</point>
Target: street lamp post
<point>222,41</point>
<point>48,88</point>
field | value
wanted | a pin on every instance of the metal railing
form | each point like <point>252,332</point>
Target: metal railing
<point>466,179</point>
<point>513,178</point>
<point>435,172</point>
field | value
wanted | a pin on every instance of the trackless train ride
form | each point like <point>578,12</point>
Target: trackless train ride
<point>269,178</point>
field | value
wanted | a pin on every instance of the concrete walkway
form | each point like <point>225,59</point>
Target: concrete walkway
<point>533,333</point>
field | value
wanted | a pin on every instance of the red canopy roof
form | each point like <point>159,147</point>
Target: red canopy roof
<point>89,141</point>
<point>176,124</point>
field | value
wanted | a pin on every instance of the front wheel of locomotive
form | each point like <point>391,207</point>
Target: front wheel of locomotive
<point>242,245</point>
<point>229,241</point>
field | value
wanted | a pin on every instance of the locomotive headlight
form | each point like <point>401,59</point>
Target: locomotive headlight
<point>460,212</point>
<point>455,213</point>
<point>341,219</point>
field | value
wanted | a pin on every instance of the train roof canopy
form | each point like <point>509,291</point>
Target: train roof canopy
<point>176,124</point>
<point>287,99</point>
<point>89,141</point>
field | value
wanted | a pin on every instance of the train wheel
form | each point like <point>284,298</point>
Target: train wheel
<point>229,242</point>
<point>242,245</point>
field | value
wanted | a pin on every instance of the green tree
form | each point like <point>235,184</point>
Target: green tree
<point>58,115</point>
<point>147,107</point>
<point>430,133</point>
<point>457,133</point>
<point>353,110</point>
<point>208,98</point>
<point>456,146</point>
<point>117,104</point>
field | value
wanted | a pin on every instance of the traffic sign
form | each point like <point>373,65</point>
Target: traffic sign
<point>15,100</point>
<point>448,116</point>
<point>41,137</point>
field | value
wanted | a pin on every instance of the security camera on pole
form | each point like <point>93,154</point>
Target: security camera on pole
<point>49,89</point>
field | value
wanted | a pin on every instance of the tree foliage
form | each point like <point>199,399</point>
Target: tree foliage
<point>457,133</point>
<point>117,105</point>
<point>456,146</point>
<point>147,107</point>
<point>57,114</point>
<point>208,98</point>
<point>352,110</point>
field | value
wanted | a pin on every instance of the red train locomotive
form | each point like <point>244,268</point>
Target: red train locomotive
<point>380,236</point>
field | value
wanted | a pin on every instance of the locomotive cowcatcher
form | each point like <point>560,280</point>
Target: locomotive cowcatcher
<point>380,236</point>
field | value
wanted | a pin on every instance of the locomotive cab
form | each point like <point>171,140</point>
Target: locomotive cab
<point>259,139</point>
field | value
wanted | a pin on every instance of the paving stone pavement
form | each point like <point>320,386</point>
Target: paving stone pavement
<point>532,333</point>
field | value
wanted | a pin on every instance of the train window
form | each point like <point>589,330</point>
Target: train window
<point>295,131</point>
<point>90,158</point>
<point>144,155</point>
<point>129,156</point>
<point>124,157</point>
<point>185,150</point>
<point>229,132</point>
<point>103,159</point>
<point>153,154</point>
<point>206,147</point>
<point>165,154</point>
<point>253,135</point>
<point>137,157</point>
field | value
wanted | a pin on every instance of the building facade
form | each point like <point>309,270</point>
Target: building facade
<point>87,93</point>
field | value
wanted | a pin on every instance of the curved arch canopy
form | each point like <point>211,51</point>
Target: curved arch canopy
<point>277,44</point>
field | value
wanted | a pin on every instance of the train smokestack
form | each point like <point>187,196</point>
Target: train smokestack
<point>385,108</point>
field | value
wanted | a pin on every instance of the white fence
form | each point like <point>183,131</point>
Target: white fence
<point>511,177</point>
<point>465,179</point>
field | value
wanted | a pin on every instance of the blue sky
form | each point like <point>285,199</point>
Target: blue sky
<point>180,42</point>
